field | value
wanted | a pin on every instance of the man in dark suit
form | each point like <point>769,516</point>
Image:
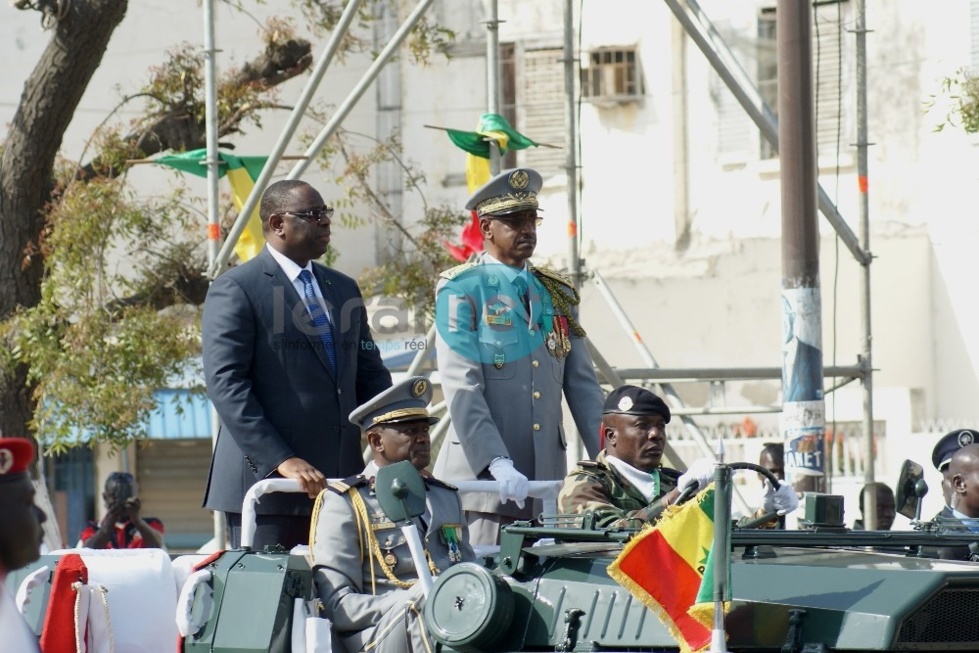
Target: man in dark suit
<point>288,355</point>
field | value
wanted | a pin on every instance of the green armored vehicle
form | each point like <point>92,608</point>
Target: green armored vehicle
<point>822,589</point>
<point>825,588</point>
<point>792,591</point>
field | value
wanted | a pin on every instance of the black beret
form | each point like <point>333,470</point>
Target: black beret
<point>942,454</point>
<point>633,400</point>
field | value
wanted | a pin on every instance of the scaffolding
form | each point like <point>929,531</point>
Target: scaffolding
<point>696,26</point>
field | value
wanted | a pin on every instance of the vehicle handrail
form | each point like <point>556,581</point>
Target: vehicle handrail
<point>254,495</point>
<point>547,491</point>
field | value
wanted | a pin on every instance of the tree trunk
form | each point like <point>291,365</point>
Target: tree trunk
<point>50,97</point>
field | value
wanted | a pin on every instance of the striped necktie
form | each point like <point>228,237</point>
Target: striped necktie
<point>320,320</point>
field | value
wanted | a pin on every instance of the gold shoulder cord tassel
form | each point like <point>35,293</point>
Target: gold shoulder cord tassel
<point>361,508</point>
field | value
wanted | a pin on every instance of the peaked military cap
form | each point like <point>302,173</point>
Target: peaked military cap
<point>406,401</point>
<point>16,455</point>
<point>508,192</point>
<point>951,442</point>
<point>633,400</point>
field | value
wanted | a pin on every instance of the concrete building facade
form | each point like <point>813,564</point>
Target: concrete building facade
<point>680,203</point>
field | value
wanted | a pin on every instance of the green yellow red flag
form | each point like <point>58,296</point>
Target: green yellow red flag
<point>242,171</point>
<point>494,127</point>
<point>669,568</point>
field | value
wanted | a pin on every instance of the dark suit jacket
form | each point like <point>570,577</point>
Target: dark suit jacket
<point>269,379</point>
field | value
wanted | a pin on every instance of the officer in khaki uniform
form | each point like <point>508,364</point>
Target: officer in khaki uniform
<point>363,567</point>
<point>509,346</point>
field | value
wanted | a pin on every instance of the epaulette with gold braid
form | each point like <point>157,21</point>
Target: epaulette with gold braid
<point>344,486</point>
<point>553,274</point>
<point>563,294</point>
<point>452,273</point>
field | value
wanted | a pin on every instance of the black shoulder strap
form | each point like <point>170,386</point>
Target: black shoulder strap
<point>342,487</point>
<point>434,482</point>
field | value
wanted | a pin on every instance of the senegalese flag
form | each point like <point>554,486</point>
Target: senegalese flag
<point>669,568</point>
<point>491,126</point>
<point>242,171</point>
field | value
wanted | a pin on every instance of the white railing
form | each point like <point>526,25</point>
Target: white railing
<point>547,491</point>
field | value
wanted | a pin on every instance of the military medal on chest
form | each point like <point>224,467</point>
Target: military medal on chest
<point>452,534</point>
<point>559,338</point>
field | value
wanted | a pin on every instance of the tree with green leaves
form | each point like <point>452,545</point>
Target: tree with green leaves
<point>87,341</point>
<point>963,90</point>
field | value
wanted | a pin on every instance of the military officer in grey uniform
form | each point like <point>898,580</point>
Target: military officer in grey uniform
<point>509,344</point>
<point>363,567</point>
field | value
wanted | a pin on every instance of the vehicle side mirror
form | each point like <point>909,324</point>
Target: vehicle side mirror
<point>910,488</point>
<point>401,491</point>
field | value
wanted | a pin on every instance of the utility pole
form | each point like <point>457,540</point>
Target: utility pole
<point>803,420</point>
<point>213,217</point>
<point>860,31</point>
<point>493,76</point>
<point>571,143</point>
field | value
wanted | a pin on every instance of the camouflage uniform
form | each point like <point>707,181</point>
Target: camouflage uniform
<point>595,486</point>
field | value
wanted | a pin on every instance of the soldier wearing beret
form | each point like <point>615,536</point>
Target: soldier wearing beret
<point>962,470</point>
<point>509,346</point>
<point>941,457</point>
<point>625,486</point>
<point>20,536</point>
<point>365,575</point>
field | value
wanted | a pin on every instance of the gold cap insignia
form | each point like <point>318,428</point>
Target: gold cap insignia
<point>519,179</point>
<point>419,388</point>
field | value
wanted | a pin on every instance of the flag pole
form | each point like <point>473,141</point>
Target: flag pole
<point>722,548</point>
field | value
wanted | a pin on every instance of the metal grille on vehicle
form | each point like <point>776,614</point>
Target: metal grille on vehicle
<point>948,618</point>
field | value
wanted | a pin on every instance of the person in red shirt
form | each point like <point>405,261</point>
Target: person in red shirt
<point>122,527</point>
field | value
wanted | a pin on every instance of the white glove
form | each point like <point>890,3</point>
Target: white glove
<point>700,472</point>
<point>782,501</point>
<point>514,486</point>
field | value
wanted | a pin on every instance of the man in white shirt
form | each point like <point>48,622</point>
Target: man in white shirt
<point>288,354</point>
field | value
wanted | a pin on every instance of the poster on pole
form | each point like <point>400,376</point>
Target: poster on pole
<point>803,419</point>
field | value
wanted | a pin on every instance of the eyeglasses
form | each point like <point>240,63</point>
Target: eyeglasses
<point>317,216</point>
<point>517,224</point>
